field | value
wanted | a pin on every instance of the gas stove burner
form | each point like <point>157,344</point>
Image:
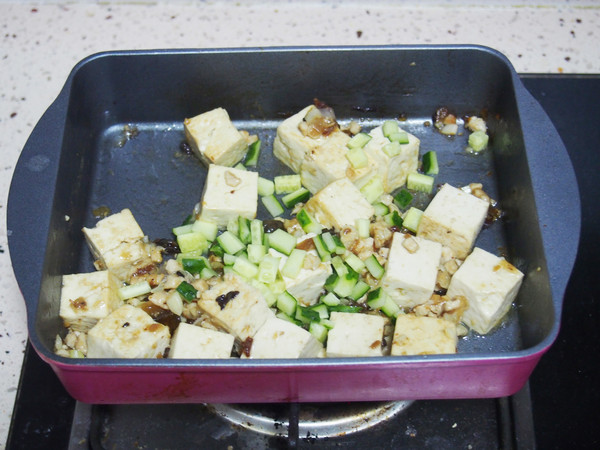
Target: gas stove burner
<point>314,419</point>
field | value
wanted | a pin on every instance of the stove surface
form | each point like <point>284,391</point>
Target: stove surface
<point>555,410</point>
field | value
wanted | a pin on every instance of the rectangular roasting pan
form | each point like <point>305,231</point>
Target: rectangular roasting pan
<point>112,139</point>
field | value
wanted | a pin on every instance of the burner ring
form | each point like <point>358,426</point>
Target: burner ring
<point>314,419</point>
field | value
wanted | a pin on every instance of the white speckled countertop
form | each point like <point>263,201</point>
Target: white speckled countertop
<point>42,41</point>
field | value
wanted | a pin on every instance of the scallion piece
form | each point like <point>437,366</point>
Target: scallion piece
<point>187,291</point>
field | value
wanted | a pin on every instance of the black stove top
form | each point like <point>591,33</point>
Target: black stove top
<point>557,409</point>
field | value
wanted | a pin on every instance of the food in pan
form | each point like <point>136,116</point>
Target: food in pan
<point>357,269</point>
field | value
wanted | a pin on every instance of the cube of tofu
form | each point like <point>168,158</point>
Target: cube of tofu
<point>490,284</point>
<point>393,170</point>
<point>319,160</point>
<point>355,334</point>
<point>308,285</point>
<point>235,306</point>
<point>85,298</point>
<point>411,269</point>
<point>128,332</point>
<point>124,260</point>
<point>339,204</point>
<point>229,193</point>
<point>415,335</point>
<point>453,218</point>
<point>214,139</point>
<point>191,341</point>
<point>111,232</point>
<point>278,338</point>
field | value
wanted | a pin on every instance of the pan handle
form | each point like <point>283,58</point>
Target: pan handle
<point>560,215</point>
<point>31,196</point>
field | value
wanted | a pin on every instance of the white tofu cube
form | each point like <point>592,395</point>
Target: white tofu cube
<point>414,335</point>
<point>128,332</point>
<point>410,274</point>
<point>111,232</point>
<point>319,160</point>
<point>214,139</point>
<point>191,341</point>
<point>85,298</point>
<point>393,170</point>
<point>490,284</point>
<point>355,334</point>
<point>229,193</point>
<point>278,338</point>
<point>235,306</point>
<point>124,260</point>
<point>454,219</point>
<point>339,204</point>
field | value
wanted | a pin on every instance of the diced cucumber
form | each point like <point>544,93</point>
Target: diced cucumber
<point>285,184</point>
<point>183,229</point>
<point>265,187</point>
<point>340,248</point>
<point>321,309</point>
<point>381,209</point>
<point>345,284</point>
<point>233,226</point>
<point>194,241</point>
<point>412,219</point>
<point>359,289</point>
<point>269,296</point>
<point>330,282</point>
<point>329,242</point>
<point>330,299</point>
<point>322,250</point>
<point>307,315</point>
<point>359,140</point>
<point>339,266</point>
<point>196,254</point>
<point>327,323</point>
<point>245,268</point>
<point>294,263</point>
<point>376,298</point>
<point>318,331</point>
<point>282,241</point>
<point>345,308</point>
<point>401,137</point>
<point>256,231</point>
<point>207,272</point>
<point>390,127</point>
<point>393,219</point>
<point>391,308</point>
<point>267,269</point>
<point>272,204</point>
<point>403,198</point>
<point>307,222</point>
<point>252,154</point>
<point>230,243</point>
<point>299,195</point>
<point>187,291</point>
<point>216,249</point>
<point>134,290</point>
<point>373,189</point>
<point>363,227</point>
<point>208,229</point>
<point>229,259</point>
<point>256,253</point>
<point>287,303</point>
<point>357,157</point>
<point>277,286</point>
<point>244,230</point>
<point>430,163</point>
<point>478,141</point>
<point>354,262</point>
<point>240,166</point>
<point>419,182</point>
<point>374,267</point>
<point>392,149</point>
<point>195,265</point>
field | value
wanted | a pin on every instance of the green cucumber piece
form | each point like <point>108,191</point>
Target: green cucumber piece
<point>299,195</point>
<point>478,141</point>
<point>245,268</point>
<point>374,267</point>
<point>134,290</point>
<point>318,331</point>
<point>322,250</point>
<point>430,163</point>
<point>330,299</point>
<point>252,154</point>
<point>244,230</point>
<point>194,241</point>
<point>392,149</point>
<point>230,243</point>
<point>272,204</point>
<point>401,137</point>
<point>412,219</point>
<point>360,289</point>
<point>403,198</point>
<point>373,189</point>
<point>287,303</point>
<point>420,182</point>
<point>381,209</point>
<point>377,298</point>
<point>257,232</point>
<point>294,263</point>
<point>285,184</point>
<point>307,222</point>
<point>208,229</point>
<point>390,127</point>
<point>265,187</point>
<point>282,241</point>
<point>359,140</point>
<point>267,269</point>
<point>357,157</point>
<point>182,229</point>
